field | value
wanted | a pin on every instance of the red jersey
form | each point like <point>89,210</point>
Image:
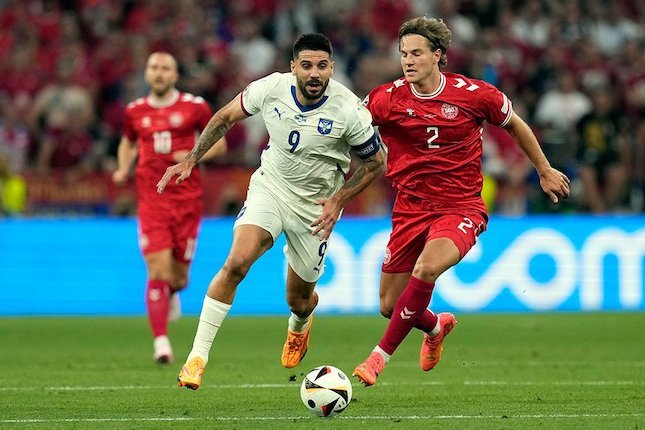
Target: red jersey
<point>434,141</point>
<point>160,131</point>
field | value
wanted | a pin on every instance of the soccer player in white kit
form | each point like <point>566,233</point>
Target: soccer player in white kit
<point>299,189</point>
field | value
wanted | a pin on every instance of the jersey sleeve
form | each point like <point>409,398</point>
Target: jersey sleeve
<point>493,105</point>
<point>360,133</point>
<point>128,126</point>
<point>377,102</point>
<point>254,94</point>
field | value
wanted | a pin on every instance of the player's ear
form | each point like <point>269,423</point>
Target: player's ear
<point>293,67</point>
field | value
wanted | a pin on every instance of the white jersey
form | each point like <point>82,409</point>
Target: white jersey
<point>307,156</point>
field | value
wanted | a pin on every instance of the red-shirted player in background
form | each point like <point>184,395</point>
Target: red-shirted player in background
<point>160,130</point>
<point>431,123</point>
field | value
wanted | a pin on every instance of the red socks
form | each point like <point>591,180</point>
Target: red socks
<point>410,311</point>
<point>427,321</point>
<point>157,303</point>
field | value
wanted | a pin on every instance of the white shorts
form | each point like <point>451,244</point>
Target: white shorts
<point>305,252</point>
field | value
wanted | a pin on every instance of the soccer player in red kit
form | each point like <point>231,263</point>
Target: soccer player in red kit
<point>431,123</point>
<point>159,131</point>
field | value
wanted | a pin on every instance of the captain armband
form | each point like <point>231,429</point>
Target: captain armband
<point>367,149</point>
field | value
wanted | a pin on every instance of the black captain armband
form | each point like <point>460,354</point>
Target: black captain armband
<point>368,149</point>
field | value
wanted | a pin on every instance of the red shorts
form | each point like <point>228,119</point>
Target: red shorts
<point>416,221</point>
<point>173,227</point>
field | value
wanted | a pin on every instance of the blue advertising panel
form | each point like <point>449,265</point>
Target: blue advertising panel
<point>563,263</point>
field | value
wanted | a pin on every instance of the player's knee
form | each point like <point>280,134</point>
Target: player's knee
<point>427,271</point>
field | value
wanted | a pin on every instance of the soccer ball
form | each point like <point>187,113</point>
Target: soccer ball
<point>326,391</point>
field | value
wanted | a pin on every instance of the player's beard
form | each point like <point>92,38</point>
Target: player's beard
<point>161,89</point>
<point>309,95</point>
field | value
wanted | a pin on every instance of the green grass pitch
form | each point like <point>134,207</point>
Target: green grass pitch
<point>502,371</point>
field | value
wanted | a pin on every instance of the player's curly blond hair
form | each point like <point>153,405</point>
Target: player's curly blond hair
<point>435,30</point>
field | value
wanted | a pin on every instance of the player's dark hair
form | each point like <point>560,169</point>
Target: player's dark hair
<point>312,42</point>
<point>433,29</point>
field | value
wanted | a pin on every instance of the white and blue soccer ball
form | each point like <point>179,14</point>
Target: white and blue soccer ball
<point>326,391</point>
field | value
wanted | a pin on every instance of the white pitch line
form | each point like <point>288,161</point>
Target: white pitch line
<point>537,364</point>
<point>308,418</point>
<point>139,387</point>
<point>559,383</point>
<point>296,384</point>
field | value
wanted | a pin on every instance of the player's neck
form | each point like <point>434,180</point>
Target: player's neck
<point>428,85</point>
<point>162,100</point>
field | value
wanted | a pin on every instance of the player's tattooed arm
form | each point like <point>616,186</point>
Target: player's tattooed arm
<point>365,174</point>
<point>209,136</point>
<point>219,124</point>
<point>216,128</point>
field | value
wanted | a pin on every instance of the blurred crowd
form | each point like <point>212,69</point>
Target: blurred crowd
<point>575,69</point>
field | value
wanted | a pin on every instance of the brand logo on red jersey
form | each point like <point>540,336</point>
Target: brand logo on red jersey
<point>146,121</point>
<point>143,241</point>
<point>387,256</point>
<point>176,119</point>
<point>449,111</point>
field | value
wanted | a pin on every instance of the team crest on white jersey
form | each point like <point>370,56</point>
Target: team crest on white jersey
<point>325,126</point>
<point>176,119</point>
<point>449,111</point>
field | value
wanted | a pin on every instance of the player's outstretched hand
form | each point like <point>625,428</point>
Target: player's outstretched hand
<point>328,218</point>
<point>120,177</point>
<point>555,184</point>
<point>182,170</point>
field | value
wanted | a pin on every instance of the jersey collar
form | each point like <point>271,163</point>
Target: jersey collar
<point>302,107</point>
<point>435,93</point>
<point>158,104</point>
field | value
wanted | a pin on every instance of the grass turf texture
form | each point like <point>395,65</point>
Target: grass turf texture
<point>574,371</point>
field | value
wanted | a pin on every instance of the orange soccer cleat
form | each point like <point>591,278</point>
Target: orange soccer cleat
<point>433,345</point>
<point>296,346</point>
<point>190,375</point>
<point>370,369</point>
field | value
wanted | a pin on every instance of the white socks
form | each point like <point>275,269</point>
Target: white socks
<point>437,328</point>
<point>297,324</point>
<point>210,320</point>
<point>385,355</point>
